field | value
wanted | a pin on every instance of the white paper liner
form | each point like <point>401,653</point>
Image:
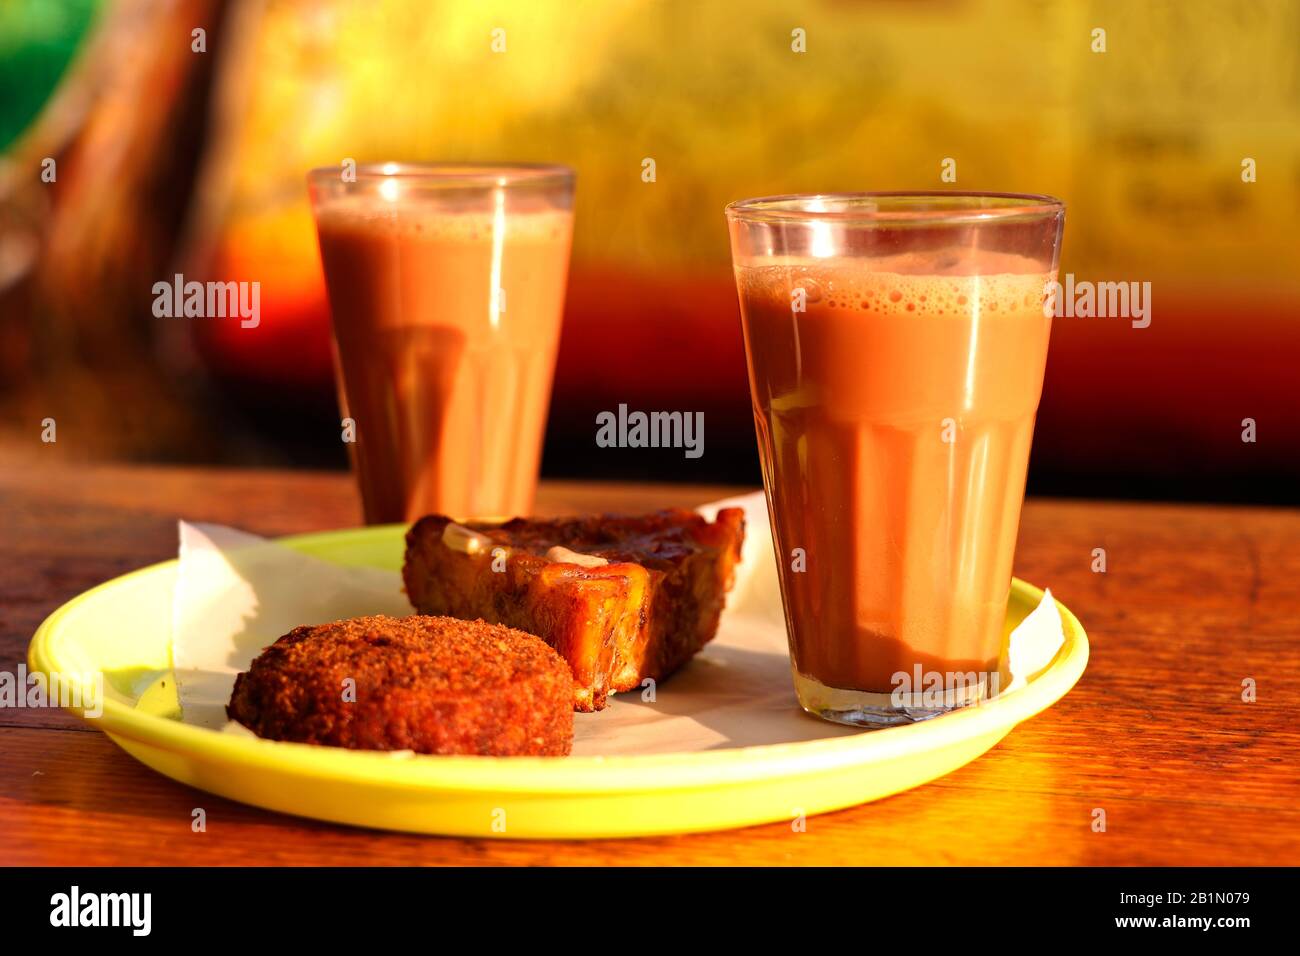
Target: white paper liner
<point>237,593</point>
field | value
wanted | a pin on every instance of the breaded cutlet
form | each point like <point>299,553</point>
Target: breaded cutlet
<point>435,685</point>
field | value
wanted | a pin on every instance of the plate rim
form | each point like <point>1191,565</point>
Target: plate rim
<point>614,773</point>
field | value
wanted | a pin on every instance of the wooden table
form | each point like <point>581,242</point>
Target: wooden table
<point>1194,601</point>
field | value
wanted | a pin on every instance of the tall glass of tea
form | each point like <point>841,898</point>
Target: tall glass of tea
<point>446,287</point>
<point>896,345</point>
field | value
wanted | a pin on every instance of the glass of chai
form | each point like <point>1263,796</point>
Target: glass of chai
<point>896,345</point>
<point>446,286</point>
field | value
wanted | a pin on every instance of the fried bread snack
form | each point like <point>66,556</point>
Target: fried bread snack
<point>621,598</point>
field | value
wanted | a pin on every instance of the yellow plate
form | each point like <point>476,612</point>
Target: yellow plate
<point>122,629</point>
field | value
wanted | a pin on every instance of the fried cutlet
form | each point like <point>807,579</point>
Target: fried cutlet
<point>435,685</point>
<point>621,598</point>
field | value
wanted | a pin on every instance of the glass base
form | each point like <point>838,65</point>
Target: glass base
<point>860,708</point>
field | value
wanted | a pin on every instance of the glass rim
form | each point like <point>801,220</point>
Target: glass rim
<point>863,208</point>
<point>450,175</point>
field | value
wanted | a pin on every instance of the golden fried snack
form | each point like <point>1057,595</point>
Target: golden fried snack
<point>620,598</point>
<point>435,685</point>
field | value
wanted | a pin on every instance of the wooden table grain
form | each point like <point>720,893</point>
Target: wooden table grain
<point>1194,601</point>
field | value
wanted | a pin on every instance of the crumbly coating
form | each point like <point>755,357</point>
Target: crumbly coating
<point>435,685</point>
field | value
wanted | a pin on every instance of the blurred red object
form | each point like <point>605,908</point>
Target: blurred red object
<point>290,346</point>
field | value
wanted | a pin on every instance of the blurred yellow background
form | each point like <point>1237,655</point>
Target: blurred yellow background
<point>1145,139</point>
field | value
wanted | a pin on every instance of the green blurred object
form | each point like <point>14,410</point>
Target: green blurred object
<point>38,39</point>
